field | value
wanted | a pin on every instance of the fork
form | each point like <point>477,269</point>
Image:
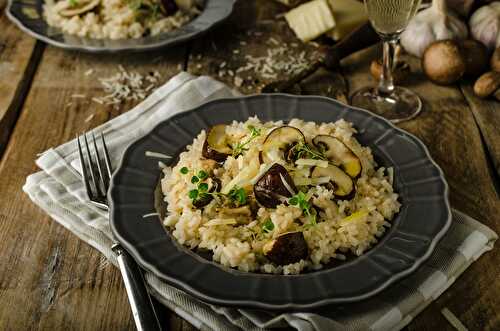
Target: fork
<point>96,176</point>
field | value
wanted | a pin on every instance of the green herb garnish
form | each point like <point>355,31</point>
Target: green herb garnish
<point>239,148</point>
<point>184,170</point>
<point>193,194</point>
<point>238,195</point>
<point>303,150</point>
<point>268,226</point>
<point>300,200</point>
<point>202,175</point>
<point>73,3</point>
<point>203,187</point>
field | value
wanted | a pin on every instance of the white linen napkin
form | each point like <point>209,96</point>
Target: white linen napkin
<point>58,190</point>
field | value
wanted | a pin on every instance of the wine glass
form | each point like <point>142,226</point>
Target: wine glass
<point>389,18</point>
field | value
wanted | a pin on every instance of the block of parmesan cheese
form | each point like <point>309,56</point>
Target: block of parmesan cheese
<point>311,19</point>
<point>348,15</point>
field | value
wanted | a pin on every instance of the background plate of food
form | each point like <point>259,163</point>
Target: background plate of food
<point>279,202</point>
<point>117,25</point>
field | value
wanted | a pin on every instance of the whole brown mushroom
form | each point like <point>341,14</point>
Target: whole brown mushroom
<point>476,57</point>
<point>495,60</point>
<point>443,62</point>
<point>488,84</point>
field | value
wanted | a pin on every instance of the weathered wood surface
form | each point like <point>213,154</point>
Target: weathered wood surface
<point>51,280</point>
<point>18,61</point>
<point>487,115</point>
<point>446,125</point>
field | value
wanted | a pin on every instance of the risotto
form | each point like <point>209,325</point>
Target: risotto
<point>119,19</point>
<point>275,198</point>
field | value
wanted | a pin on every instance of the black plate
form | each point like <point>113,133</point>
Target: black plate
<point>28,16</point>
<point>424,217</point>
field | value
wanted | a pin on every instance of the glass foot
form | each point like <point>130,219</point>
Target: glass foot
<point>401,105</point>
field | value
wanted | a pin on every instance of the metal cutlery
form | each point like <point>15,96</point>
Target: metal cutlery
<point>96,176</point>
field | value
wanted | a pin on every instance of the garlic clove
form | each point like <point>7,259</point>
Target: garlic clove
<point>485,25</point>
<point>431,24</point>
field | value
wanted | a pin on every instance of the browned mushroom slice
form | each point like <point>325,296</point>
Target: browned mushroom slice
<point>287,248</point>
<point>80,7</point>
<point>216,146</point>
<point>342,185</point>
<point>279,142</point>
<point>274,187</point>
<point>339,154</point>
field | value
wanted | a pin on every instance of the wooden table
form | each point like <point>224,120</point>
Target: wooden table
<point>51,280</point>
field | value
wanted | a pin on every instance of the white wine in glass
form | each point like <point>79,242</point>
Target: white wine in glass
<point>389,18</point>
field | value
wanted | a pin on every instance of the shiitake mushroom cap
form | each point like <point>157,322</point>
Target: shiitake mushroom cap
<point>287,248</point>
<point>269,190</point>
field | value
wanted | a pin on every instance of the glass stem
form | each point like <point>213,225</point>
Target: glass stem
<point>386,83</point>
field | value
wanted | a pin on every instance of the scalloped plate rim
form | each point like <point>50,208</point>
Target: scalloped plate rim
<point>286,306</point>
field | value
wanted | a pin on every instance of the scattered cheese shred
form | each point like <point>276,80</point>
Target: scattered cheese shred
<point>312,163</point>
<point>150,215</point>
<point>453,320</point>
<point>157,155</point>
<point>219,221</point>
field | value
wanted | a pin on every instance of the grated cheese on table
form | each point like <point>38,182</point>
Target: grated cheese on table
<point>125,86</point>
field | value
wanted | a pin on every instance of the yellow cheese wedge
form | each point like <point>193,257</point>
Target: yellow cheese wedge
<point>311,19</point>
<point>348,15</point>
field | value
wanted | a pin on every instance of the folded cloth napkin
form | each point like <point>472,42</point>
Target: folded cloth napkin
<point>58,190</point>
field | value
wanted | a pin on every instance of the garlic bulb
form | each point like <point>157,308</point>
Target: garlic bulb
<point>485,25</point>
<point>431,24</point>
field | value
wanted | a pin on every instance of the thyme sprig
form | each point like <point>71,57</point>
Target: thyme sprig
<point>239,148</point>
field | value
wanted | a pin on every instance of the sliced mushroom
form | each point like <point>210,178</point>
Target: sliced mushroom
<point>274,187</point>
<point>287,248</point>
<point>80,7</point>
<point>216,146</point>
<point>341,184</point>
<point>279,142</point>
<point>339,154</point>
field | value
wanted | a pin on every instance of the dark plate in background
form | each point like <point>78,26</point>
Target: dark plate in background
<point>424,217</point>
<point>28,16</point>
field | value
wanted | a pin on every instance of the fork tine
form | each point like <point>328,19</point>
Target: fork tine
<point>103,178</point>
<point>84,169</point>
<point>93,175</point>
<point>106,157</point>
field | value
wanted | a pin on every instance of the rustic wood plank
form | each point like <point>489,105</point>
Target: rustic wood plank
<point>487,115</point>
<point>447,127</point>
<point>255,30</point>
<point>18,60</point>
<point>51,279</point>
